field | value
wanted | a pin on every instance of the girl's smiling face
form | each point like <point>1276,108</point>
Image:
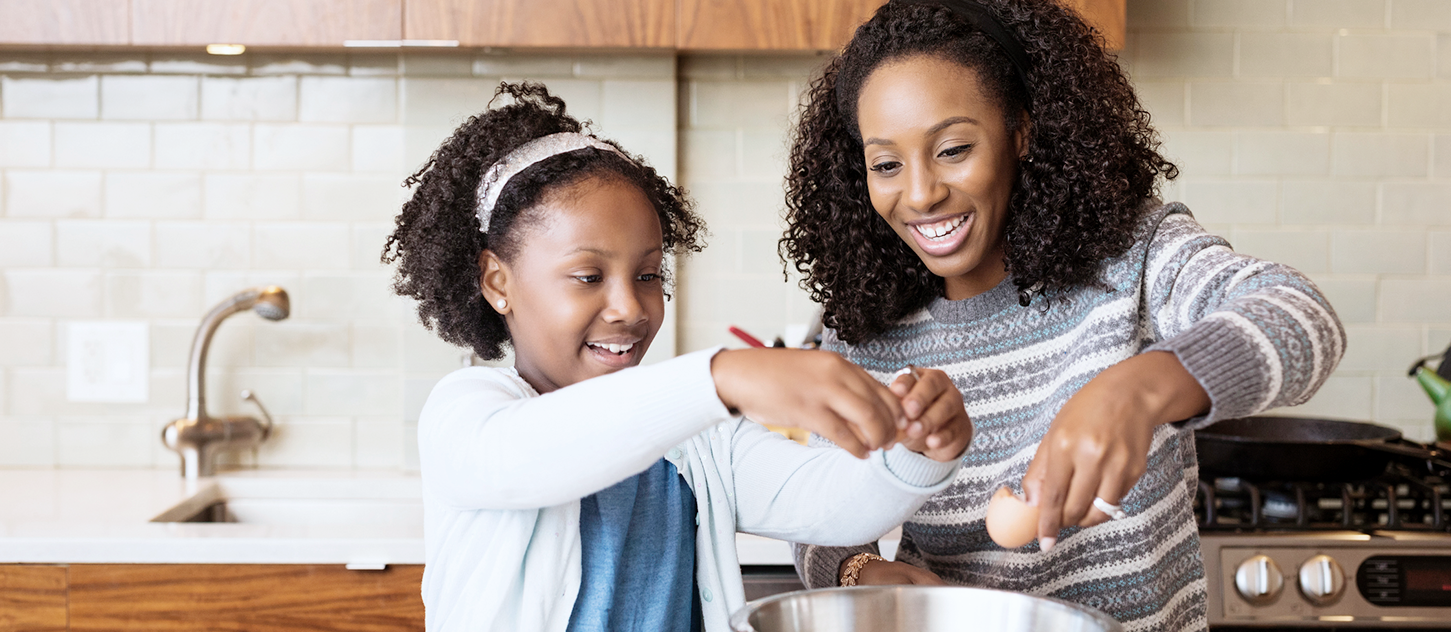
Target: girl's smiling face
<point>583,296</point>
<point>940,167</point>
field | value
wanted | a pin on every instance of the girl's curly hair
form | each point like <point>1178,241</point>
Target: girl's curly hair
<point>1093,160</point>
<point>437,241</point>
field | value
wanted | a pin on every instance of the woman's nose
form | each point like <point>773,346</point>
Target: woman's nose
<point>924,188</point>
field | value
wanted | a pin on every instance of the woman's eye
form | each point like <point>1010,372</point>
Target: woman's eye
<point>955,151</point>
<point>589,278</point>
<point>886,167</point>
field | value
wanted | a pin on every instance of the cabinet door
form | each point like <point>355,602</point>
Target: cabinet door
<point>72,22</point>
<point>264,22</point>
<point>32,598</point>
<point>252,597</point>
<point>544,23</point>
<point>770,24</point>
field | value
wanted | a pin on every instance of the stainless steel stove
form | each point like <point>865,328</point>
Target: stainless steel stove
<point>1367,555</point>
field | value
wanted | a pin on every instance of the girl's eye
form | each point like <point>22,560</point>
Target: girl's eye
<point>886,167</point>
<point>589,278</point>
<point>649,277</point>
<point>955,151</point>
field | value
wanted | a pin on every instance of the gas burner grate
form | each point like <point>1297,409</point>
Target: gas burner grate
<point>1398,499</point>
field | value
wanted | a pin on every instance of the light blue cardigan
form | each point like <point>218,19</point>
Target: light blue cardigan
<point>504,468</point>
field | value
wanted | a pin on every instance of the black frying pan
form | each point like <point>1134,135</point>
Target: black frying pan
<point>1303,449</point>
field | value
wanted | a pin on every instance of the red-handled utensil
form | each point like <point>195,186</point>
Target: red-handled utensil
<point>750,340</point>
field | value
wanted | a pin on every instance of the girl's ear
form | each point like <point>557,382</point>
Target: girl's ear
<point>494,281</point>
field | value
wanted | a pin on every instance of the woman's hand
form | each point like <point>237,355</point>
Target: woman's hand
<point>882,573</point>
<point>815,390</point>
<point>935,422</point>
<point>1098,444</point>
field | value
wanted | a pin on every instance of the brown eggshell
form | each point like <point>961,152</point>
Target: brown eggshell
<point>1011,523</point>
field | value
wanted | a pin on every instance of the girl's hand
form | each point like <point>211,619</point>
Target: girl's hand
<point>936,424</point>
<point>814,390</point>
<point>882,573</point>
<point>1098,444</point>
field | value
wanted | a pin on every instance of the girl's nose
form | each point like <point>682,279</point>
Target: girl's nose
<point>924,189</point>
<point>624,305</point>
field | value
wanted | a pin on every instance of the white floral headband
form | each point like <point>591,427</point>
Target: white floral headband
<point>521,158</point>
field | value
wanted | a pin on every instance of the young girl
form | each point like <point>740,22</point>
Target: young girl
<point>572,492</point>
<point>999,159</point>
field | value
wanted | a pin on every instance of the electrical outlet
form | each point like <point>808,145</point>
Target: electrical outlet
<point>108,362</point>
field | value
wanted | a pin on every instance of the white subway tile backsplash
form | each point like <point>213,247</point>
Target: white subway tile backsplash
<point>249,98</point>
<point>310,64</point>
<point>1369,154</point>
<point>426,65</point>
<point>350,197</point>
<point>658,66</point>
<point>1327,202</point>
<point>1217,103</point>
<point>1380,347</point>
<point>1353,297</point>
<point>353,393</point>
<point>758,252</point>
<point>1420,105</point>
<point>379,443</point>
<point>26,243</point>
<point>309,442</point>
<point>348,100</point>
<point>373,64</point>
<point>154,294</point>
<point>1200,152</point>
<point>289,344</point>
<point>27,342</point>
<point>424,354</point>
<point>446,102</point>
<point>1325,104</point>
<point>1238,13</point>
<point>1183,55</point>
<point>1232,201</point>
<point>743,104</point>
<point>368,240</point>
<point>27,443</point>
<point>157,194</point>
<point>1415,300</point>
<point>1440,253</point>
<point>1280,54</point>
<point>1378,252</point>
<point>1416,203</point>
<point>708,154</point>
<point>657,146</point>
<point>53,293</point>
<point>740,204</point>
<point>764,155</point>
<point>638,104</point>
<point>1442,151</point>
<point>255,197</point>
<point>705,66</point>
<point>490,64</point>
<point>1338,13</point>
<point>102,145</point>
<point>1341,397</point>
<point>1390,56</point>
<point>51,97</point>
<point>378,148</point>
<point>1165,101</point>
<point>300,147</point>
<point>1282,153</point>
<point>199,64</point>
<point>351,295</point>
<point>25,143</point>
<point>108,442</point>
<point>203,244</point>
<point>1399,397</point>
<point>52,193</point>
<point>149,97</point>
<point>375,345</point>
<point>203,146</point>
<point>1306,251</point>
<point>103,243</point>
<point>1443,55</point>
<point>1421,15</point>
<point>279,389</point>
<point>300,245</point>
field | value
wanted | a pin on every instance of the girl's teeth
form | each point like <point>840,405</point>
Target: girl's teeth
<point>616,349</point>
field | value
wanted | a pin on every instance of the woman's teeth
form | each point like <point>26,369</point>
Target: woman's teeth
<point>613,348</point>
<point>940,230</point>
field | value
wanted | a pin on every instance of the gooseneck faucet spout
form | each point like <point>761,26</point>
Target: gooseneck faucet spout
<point>198,436</point>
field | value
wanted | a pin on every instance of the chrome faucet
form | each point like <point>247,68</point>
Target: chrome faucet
<point>198,437</point>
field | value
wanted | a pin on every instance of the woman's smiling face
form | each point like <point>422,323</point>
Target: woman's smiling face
<point>583,296</point>
<point>940,166</point>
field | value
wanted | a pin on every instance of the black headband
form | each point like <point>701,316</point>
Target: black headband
<point>982,18</point>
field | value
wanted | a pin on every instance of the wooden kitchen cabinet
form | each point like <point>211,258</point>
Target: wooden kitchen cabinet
<point>781,25</point>
<point>187,597</point>
<point>299,23</point>
<point>64,22</point>
<point>544,23</point>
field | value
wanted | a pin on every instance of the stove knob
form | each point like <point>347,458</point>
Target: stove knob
<point>1322,580</point>
<point>1259,579</point>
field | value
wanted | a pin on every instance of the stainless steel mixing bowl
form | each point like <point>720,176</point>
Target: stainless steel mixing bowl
<point>917,609</point>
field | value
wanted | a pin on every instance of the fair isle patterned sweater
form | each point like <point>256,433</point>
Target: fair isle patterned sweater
<point>1255,334</point>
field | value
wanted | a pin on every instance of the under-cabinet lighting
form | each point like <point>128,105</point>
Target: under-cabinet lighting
<point>226,49</point>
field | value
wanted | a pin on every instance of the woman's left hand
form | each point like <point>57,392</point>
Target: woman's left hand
<point>1098,445</point>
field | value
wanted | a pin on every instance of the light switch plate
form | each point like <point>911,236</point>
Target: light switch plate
<point>108,362</point>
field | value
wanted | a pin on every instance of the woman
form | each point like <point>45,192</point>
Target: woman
<point>972,189</point>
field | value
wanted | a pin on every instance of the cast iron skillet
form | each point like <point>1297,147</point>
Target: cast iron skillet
<point>1303,449</point>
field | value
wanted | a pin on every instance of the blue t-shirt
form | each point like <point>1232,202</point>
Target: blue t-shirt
<point>637,541</point>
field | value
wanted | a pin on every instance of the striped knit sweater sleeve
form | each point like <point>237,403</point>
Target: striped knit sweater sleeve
<point>1255,334</point>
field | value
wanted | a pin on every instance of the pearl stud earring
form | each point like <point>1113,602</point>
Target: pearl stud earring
<point>501,303</point>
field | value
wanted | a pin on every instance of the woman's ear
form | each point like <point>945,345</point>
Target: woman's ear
<point>1020,137</point>
<point>494,281</point>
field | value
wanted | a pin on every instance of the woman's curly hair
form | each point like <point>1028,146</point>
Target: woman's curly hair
<point>437,241</point>
<point>1092,161</point>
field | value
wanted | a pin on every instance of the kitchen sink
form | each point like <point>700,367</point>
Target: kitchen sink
<point>352,500</point>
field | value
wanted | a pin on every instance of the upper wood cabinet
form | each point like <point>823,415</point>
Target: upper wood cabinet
<point>65,22</point>
<point>323,23</point>
<point>544,23</point>
<point>777,25</point>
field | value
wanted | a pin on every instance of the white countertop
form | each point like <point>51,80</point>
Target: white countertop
<point>327,517</point>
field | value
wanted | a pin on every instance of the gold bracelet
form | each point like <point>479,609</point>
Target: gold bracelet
<point>854,567</point>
